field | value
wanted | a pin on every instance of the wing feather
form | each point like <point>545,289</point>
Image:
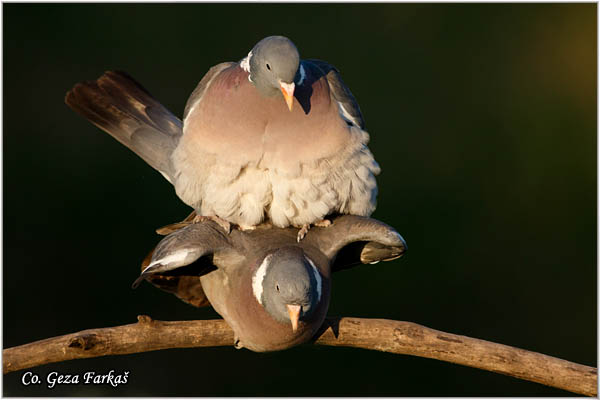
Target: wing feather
<point>349,108</point>
<point>198,92</point>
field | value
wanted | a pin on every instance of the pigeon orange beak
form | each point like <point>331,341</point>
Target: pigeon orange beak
<point>294,313</point>
<point>288,93</point>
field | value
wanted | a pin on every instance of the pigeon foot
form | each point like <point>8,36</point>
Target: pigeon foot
<point>324,223</point>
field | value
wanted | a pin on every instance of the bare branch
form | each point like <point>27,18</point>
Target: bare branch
<point>401,337</point>
<point>375,334</point>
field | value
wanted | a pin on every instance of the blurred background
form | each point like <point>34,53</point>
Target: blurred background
<point>482,117</point>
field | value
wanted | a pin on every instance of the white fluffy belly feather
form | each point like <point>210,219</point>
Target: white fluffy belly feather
<point>246,194</point>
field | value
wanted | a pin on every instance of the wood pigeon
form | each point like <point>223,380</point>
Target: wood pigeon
<point>269,138</point>
<point>272,290</point>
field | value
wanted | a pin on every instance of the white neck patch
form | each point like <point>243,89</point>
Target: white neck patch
<point>259,277</point>
<point>245,64</point>
<point>318,278</point>
<point>302,75</point>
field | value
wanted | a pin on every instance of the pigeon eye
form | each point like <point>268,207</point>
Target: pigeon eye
<point>268,67</point>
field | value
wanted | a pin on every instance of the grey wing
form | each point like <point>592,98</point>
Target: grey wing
<point>175,253</point>
<point>198,92</point>
<point>349,108</point>
<point>188,287</point>
<point>120,106</point>
<point>353,240</point>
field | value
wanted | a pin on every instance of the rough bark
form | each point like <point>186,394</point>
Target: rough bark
<point>408,338</point>
<point>397,337</point>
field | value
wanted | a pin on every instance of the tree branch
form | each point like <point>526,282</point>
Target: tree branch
<point>375,334</point>
<point>401,337</point>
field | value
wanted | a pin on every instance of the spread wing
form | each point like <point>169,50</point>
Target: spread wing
<point>353,240</point>
<point>187,288</point>
<point>186,252</point>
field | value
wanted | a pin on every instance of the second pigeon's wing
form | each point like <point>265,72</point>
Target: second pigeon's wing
<point>353,240</point>
<point>182,257</point>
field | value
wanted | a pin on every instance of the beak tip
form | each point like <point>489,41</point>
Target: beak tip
<point>288,93</point>
<point>294,313</point>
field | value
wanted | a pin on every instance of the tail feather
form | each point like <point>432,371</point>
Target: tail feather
<point>120,106</point>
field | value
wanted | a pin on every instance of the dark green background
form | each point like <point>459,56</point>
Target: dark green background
<point>482,117</point>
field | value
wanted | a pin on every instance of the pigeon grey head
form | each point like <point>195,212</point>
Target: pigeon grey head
<point>273,64</point>
<point>288,285</point>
